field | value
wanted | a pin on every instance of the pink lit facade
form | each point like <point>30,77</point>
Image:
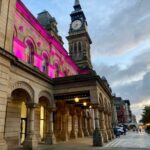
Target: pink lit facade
<point>33,45</point>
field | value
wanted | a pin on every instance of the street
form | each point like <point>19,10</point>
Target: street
<point>130,141</point>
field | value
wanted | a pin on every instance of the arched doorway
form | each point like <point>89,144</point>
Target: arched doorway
<point>44,115</point>
<point>16,118</point>
<point>23,126</point>
<point>45,118</point>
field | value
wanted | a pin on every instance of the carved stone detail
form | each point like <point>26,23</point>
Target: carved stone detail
<point>25,86</point>
<point>48,95</point>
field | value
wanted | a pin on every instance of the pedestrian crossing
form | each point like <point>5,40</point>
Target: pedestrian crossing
<point>113,143</point>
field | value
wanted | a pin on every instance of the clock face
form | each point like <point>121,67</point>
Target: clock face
<point>76,24</point>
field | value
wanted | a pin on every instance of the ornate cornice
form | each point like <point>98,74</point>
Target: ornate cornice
<point>83,78</point>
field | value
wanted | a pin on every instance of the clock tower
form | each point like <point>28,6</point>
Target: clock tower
<point>79,39</point>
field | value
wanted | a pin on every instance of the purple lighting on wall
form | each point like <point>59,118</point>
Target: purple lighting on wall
<point>19,48</point>
<point>55,52</point>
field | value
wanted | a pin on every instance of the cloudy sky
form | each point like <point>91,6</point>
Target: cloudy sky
<point>120,31</point>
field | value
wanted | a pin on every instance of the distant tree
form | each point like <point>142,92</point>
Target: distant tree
<point>146,115</point>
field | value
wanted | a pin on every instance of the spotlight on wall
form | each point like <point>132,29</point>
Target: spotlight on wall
<point>84,104</point>
<point>90,107</point>
<point>76,99</point>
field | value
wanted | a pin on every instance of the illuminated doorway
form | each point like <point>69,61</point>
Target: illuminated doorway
<point>42,122</point>
<point>23,123</point>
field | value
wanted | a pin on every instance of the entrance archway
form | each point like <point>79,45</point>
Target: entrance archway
<point>16,118</point>
<point>23,125</point>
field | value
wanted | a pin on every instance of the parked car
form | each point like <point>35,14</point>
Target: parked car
<point>116,132</point>
<point>120,130</point>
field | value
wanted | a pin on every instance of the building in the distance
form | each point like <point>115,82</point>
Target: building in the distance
<point>122,110</point>
<point>46,94</point>
<point>128,113</point>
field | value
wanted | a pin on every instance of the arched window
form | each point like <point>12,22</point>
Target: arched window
<point>80,48</point>
<point>71,50</point>
<point>42,121</point>
<point>29,52</point>
<point>75,49</point>
<point>56,70</point>
<point>45,64</point>
<point>15,32</point>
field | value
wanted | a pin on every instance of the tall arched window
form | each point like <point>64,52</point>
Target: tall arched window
<point>45,64</point>
<point>71,50</point>
<point>56,70</point>
<point>15,32</point>
<point>42,120</point>
<point>80,48</point>
<point>29,52</point>
<point>75,49</point>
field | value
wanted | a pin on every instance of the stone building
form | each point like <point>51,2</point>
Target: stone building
<point>46,95</point>
<point>128,113</point>
<point>123,111</point>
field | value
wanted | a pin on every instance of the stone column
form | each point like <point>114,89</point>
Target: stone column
<point>108,127</point>
<point>64,128</point>
<point>50,137</point>
<point>89,122</point>
<point>80,131</point>
<point>97,137</point>
<point>31,141</point>
<point>85,127</point>
<point>73,134</point>
<point>102,125</point>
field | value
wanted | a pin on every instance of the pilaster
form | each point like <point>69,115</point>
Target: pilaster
<point>80,130</point>
<point>73,134</point>
<point>85,124</point>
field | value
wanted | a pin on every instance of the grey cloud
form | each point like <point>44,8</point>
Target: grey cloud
<point>140,64</point>
<point>136,90</point>
<point>126,29</point>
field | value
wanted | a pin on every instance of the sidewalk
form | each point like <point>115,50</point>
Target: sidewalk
<point>131,141</point>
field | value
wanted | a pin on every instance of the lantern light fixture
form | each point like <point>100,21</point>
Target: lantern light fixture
<point>84,104</point>
<point>76,99</point>
<point>90,107</point>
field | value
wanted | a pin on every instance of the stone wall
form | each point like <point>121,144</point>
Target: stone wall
<point>12,124</point>
<point>4,78</point>
<point>7,14</point>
